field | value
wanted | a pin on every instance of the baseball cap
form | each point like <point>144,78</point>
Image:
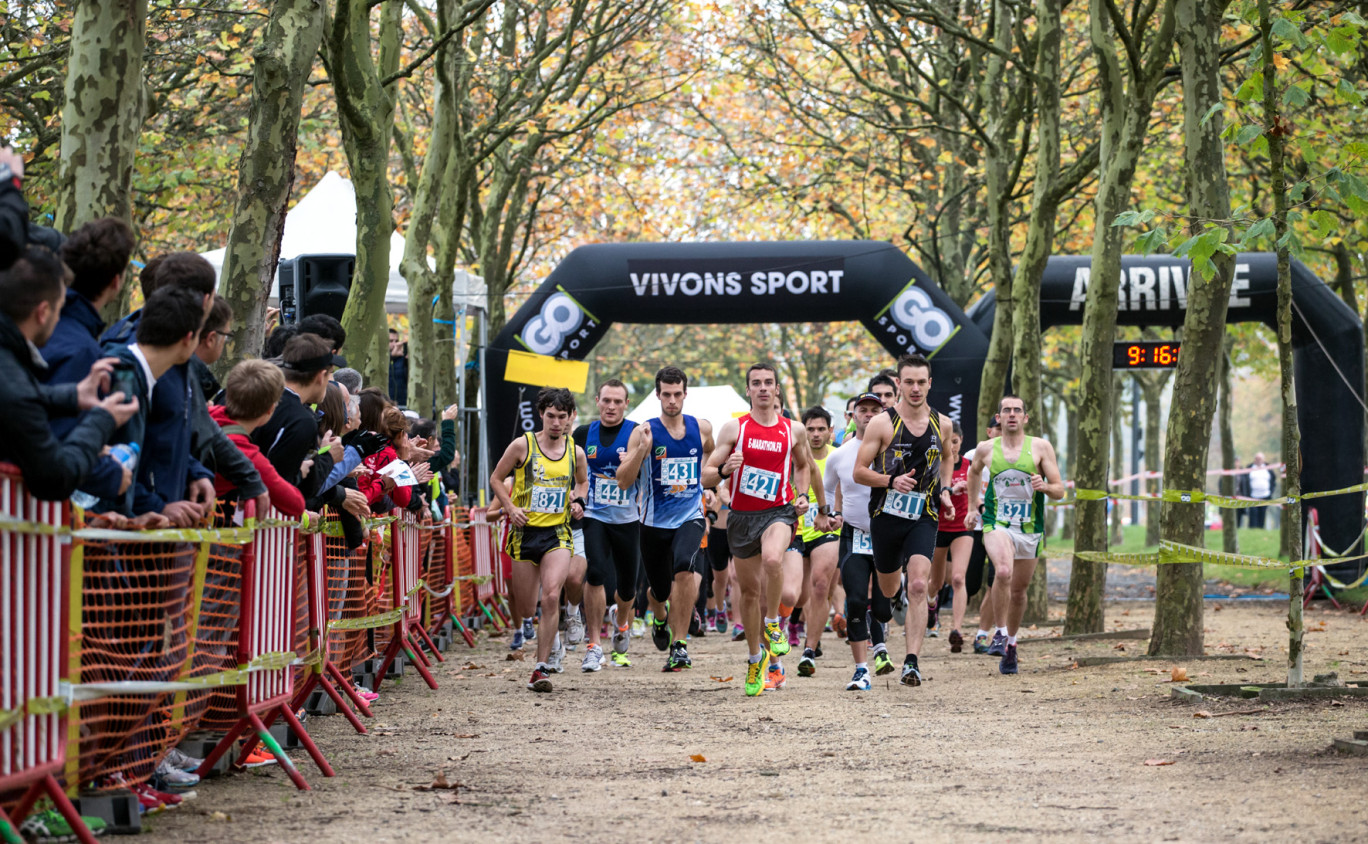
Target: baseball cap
<point>864,397</point>
<point>995,422</point>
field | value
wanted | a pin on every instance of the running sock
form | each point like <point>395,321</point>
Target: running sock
<point>755,657</point>
<point>1001,630</point>
<point>910,659</point>
<point>795,617</point>
<point>771,620</point>
<point>981,632</point>
<point>785,611</point>
<point>862,665</point>
<point>1011,640</point>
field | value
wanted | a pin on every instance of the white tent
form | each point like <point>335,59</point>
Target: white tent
<point>715,404</point>
<point>323,222</point>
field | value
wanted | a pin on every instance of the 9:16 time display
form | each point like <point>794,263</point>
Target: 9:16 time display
<point>1145,354</point>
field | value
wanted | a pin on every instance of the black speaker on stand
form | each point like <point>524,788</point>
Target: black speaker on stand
<point>315,284</point>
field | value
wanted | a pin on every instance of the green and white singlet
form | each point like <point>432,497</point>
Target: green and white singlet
<point>1010,502</point>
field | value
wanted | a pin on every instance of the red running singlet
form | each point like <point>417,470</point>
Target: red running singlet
<point>763,480</point>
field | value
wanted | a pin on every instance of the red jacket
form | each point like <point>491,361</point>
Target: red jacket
<point>369,483</point>
<point>286,498</point>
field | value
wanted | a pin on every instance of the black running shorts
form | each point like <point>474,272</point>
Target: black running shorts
<point>612,550</point>
<point>671,551</point>
<point>896,539</point>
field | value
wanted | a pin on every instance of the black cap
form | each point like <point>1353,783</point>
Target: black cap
<point>864,397</point>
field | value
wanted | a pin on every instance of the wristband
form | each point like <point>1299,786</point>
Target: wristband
<point>722,473</point>
<point>890,481</point>
<point>577,500</point>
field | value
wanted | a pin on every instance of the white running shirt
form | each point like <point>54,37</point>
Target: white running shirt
<point>840,468</point>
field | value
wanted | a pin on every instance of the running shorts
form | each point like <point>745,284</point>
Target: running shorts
<point>671,551</point>
<point>795,544</point>
<point>896,539</point>
<point>1025,546</point>
<point>945,537</point>
<point>746,527</point>
<point>612,549</point>
<point>532,543</point>
<point>718,552</point>
<point>577,540</point>
<point>818,542</point>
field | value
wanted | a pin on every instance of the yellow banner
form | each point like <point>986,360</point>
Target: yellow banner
<point>546,371</point>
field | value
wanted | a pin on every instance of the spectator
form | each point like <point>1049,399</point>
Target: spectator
<point>97,254</point>
<point>14,211</point>
<point>167,334</point>
<point>349,378</point>
<point>185,269</point>
<point>398,369</point>
<point>326,327</point>
<point>218,329</point>
<point>290,437</point>
<point>1242,491</point>
<point>31,295</point>
<point>1261,483</point>
<point>376,487</point>
<point>277,340</point>
<point>250,396</point>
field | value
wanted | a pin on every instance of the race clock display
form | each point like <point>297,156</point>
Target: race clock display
<point>1147,354</point>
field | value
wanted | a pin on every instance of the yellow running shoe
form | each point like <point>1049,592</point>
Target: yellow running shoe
<point>756,672</point>
<point>776,641</point>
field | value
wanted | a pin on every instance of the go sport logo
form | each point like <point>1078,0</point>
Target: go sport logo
<point>915,321</point>
<point>559,328</point>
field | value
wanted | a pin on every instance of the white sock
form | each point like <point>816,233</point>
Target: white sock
<point>981,632</point>
<point>755,657</point>
<point>1002,630</point>
<point>771,620</point>
<point>860,665</point>
<point>1011,640</point>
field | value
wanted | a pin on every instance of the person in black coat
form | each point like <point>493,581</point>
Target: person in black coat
<point>290,438</point>
<point>32,291</point>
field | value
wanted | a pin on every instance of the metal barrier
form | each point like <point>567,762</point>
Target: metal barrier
<point>266,643</point>
<point>482,535</point>
<point>35,570</point>
<point>404,582</point>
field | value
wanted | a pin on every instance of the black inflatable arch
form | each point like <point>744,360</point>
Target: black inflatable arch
<point>1327,339</point>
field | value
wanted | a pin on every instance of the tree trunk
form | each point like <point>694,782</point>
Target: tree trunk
<point>1178,607</point>
<point>1069,530</point>
<point>102,117</point>
<point>1230,535</point>
<point>281,63</point>
<point>1118,462</point>
<point>1274,131</point>
<point>1123,126</point>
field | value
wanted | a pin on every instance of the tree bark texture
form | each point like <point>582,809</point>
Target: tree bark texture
<point>281,63</point>
<point>1230,534</point>
<point>1178,608</point>
<point>1118,462</point>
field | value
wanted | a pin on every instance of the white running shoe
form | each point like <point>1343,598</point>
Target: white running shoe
<point>556,662</point>
<point>574,628</point>
<point>593,659</point>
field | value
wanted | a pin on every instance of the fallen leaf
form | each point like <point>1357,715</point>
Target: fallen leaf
<point>473,666</point>
<point>698,757</point>
<point>721,679</point>
<point>1155,763</point>
<point>220,816</point>
<point>1178,675</point>
<point>439,783</point>
<point>1202,713</point>
<point>467,735</point>
<point>1119,647</point>
<point>515,656</point>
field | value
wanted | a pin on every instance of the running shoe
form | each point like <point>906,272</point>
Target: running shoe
<point>170,801</point>
<point>620,659</point>
<point>574,630</point>
<point>838,626</point>
<point>817,652</point>
<point>185,761</point>
<point>1008,665</point>
<point>556,661</point>
<point>981,643</point>
<point>621,640</point>
<point>756,673</point>
<point>860,682</point>
<point>529,630</point>
<point>807,666</point>
<point>696,625</point>
<point>638,628</point>
<point>795,634</point>
<point>173,780</point>
<point>776,677</point>
<point>593,659</point>
<point>541,679</point>
<point>364,693</point>
<point>999,645</point>
<point>882,664</point>
<point>720,621</point>
<point>679,658</point>
<point>738,632</point>
<point>911,675</point>
<point>518,640</point>
<point>259,758</point>
<point>932,615</point>
<point>50,826</point>
<point>660,635</point>
<point>956,642</point>
<point>775,639</point>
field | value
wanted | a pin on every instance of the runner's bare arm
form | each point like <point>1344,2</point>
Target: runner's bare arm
<point>705,431</point>
<point>838,521</point>
<point>876,439</point>
<point>495,510</point>
<point>1050,484</point>
<point>581,488</point>
<point>971,519</point>
<point>947,473</point>
<point>514,456</point>
<point>721,454</point>
<point>802,469</point>
<point>638,446</point>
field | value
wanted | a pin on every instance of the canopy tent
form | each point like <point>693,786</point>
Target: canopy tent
<point>715,404</point>
<point>323,222</point>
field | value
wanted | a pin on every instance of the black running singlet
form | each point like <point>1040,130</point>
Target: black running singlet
<point>907,452</point>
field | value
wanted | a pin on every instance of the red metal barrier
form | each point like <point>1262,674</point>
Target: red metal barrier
<point>267,627</point>
<point>34,580</point>
<point>484,539</point>
<point>405,547</point>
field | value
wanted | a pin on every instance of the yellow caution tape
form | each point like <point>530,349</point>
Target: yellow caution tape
<point>1174,552</point>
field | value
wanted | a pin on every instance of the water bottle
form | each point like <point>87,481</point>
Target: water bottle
<point>126,454</point>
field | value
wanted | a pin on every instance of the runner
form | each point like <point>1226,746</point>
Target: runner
<point>612,527</point>
<point>672,522</point>
<point>820,547</point>
<point>851,502</point>
<point>900,458</point>
<point>718,503</point>
<point>548,490</point>
<point>769,457</point>
<point>953,540</point>
<point>1022,471</point>
<point>980,574</point>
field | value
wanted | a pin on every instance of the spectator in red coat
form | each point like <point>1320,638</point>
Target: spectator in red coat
<point>393,426</point>
<point>250,396</point>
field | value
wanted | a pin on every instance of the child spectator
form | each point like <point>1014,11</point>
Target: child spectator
<point>250,395</point>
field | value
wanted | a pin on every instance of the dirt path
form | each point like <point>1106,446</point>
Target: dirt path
<point>1056,753</point>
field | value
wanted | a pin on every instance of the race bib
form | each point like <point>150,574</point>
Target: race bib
<point>860,544</point>
<point>679,471</point>
<point>759,483</point>
<point>547,499</point>
<point>1014,510</point>
<point>607,493</point>
<point>905,505</point>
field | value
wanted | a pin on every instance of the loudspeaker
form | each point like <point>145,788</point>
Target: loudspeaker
<point>315,284</point>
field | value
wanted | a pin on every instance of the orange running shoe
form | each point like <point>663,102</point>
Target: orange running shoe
<point>259,757</point>
<point>838,625</point>
<point>776,677</point>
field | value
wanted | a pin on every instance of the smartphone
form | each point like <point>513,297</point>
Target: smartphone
<point>124,379</point>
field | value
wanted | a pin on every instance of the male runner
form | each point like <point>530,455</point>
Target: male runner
<point>1022,471</point>
<point>768,456</point>
<point>900,459</point>
<point>857,554</point>
<point>612,527</point>
<point>667,452</point>
<point>718,503</point>
<point>954,542</point>
<point>980,574</point>
<point>820,547</point>
<point>548,490</point>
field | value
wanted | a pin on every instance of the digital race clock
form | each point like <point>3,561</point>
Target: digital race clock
<point>1145,354</point>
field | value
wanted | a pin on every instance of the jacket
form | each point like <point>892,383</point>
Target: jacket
<point>398,379</point>
<point>134,431</point>
<point>52,468</point>
<point>204,376</point>
<point>216,452</point>
<point>166,469</point>
<point>14,214</point>
<point>289,436</point>
<point>370,483</point>
<point>284,497</point>
<point>70,352</point>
